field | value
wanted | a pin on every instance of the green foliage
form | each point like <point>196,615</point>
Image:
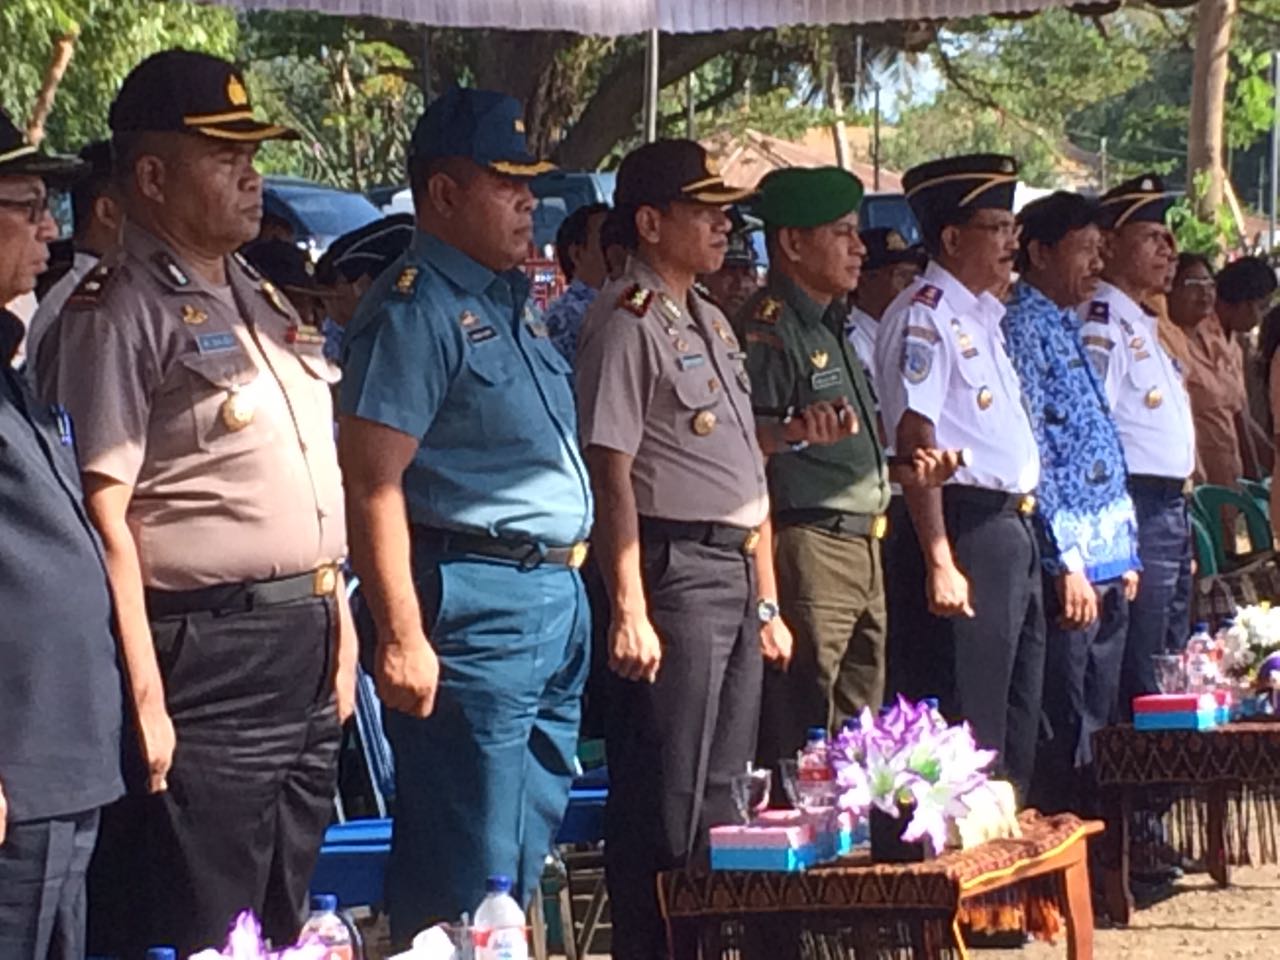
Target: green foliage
<point>1209,238</point>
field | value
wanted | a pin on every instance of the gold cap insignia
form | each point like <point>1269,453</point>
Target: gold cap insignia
<point>237,95</point>
<point>819,358</point>
<point>519,125</point>
<point>894,241</point>
<point>713,166</point>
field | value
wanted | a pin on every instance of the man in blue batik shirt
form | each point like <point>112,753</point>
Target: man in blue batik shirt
<point>582,262</point>
<point>1088,527</point>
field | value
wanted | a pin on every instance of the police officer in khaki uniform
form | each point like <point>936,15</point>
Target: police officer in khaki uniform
<point>670,443</point>
<point>828,500</point>
<point>204,428</point>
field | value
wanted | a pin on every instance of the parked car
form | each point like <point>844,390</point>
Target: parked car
<point>318,214</point>
<point>889,210</point>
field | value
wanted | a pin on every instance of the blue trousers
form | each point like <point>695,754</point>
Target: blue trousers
<point>42,887</point>
<point>1159,615</point>
<point>482,784</point>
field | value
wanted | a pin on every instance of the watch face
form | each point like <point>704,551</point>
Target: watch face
<point>767,610</point>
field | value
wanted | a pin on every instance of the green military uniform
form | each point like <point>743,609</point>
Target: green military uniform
<point>828,505</point>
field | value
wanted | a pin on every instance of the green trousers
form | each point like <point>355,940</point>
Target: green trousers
<point>831,591</point>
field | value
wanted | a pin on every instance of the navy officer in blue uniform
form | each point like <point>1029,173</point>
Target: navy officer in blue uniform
<point>60,709</point>
<point>470,506</point>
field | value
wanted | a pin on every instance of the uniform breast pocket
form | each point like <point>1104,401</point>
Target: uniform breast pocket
<point>224,397</point>
<point>696,394</point>
<point>492,393</point>
<point>556,375</point>
<point>979,381</point>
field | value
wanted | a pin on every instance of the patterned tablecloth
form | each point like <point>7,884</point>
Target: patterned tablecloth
<point>1244,753</point>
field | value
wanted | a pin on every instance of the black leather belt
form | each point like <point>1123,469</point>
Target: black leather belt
<point>1168,487</point>
<point>992,501</point>
<point>726,535</point>
<point>874,525</point>
<point>230,597</point>
<point>524,553</point>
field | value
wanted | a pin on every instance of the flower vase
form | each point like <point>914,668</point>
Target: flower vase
<point>887,845</point>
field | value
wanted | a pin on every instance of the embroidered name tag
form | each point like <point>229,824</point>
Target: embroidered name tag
<point>481,334</point>
<point>217,342</point>
<point>826,379</point>
<point>691,360</point>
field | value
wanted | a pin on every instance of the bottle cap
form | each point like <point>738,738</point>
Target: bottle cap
<point>1201,627</point>
<point>162,953</point>
<point>498,883</point>
<point>930,702</point>
<point>324,902</point>
<point>817,734</point>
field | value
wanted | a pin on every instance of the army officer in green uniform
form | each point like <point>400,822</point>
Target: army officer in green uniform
<point>828,501</point>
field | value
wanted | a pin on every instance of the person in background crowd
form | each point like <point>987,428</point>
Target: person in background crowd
<point>470,505</point>
<point>276,228</point>
<point>289,268</point>
<point>60,706</point>
<point>582,262</point>
<point>739,276</point>
<point>828,498</point>
<point>1152,412</point>
<point>349,267</point>
<point>1088,529</point>
<point>613,237</point>
<point>968,627</point>
<point>204,427</point>
<point>681,536</point>
<point>1246,288</point>
<point>889,268</point>
<point>95,211</point>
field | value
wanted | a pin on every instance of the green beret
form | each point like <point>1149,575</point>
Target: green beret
<point>807,196</point>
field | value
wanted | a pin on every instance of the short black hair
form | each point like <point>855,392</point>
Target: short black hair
<point>1188,260</point>
<point>93,184</point>
<point>573,233</point>
<point>931,227</point>
<point>422,169</point>
<point>1249,278</point>
<point>619,228</point>
<point>1048,220</point>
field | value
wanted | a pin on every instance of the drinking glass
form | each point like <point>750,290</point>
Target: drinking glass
<point>1171,677</point>
<point>751,793</point>
<point>789,770</point>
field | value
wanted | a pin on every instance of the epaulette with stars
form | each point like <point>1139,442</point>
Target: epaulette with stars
<point>92,287</point>
<point>407,282</point>
<point>636,300</point>
<point>929,295</point>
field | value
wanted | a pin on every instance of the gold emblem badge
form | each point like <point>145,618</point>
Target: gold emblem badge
<point>468,319</point>
<point>1153,398</point>
<point>237,95</point>
<point>984,399</point>
<point>237,411</point>
<point>704,421</point>
<point>193,316</point>
<point>682,344</point>
<point>404,282</point>
<point>713,166</point>
<point>519,125</point>
<point>894,241</point>
<point>819,359</point>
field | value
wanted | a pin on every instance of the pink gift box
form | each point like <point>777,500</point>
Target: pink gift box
<point>1174,702</point>
<point>774,828</point>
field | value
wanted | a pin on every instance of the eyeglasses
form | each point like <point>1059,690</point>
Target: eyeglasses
<point>36,207</point>
<point>1003,231</point>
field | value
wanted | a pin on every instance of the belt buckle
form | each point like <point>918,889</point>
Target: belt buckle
<point>879,526</point>
<point>751,542</point>
<point>325,580</point>
<point>1027,505</point>
<point>578,555</point>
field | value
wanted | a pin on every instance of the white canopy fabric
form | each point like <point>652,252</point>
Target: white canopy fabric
<point>617,17</point>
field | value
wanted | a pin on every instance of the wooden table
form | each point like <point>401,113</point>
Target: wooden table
<point>858,909</point>
<point>1222,778</point>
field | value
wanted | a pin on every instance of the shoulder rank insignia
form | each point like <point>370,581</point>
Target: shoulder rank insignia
<point>248,268</point>
<point>769,310</point>
<point>275,297</point>
<point>636,300</point>
<point>1099,312</point>
<point>91,288</point>
<point>407,281</point>
<point>169,267</point>
<point>929,295</point>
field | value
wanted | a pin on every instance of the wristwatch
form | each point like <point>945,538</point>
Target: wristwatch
<point>767,611</point>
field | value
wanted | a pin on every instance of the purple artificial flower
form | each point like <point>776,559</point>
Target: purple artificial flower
<point>244,942</point>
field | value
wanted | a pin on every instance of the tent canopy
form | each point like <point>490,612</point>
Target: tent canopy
<point>618,17</point>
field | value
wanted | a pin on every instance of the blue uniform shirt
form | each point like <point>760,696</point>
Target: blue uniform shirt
<point>444,349</point>
<point>1088,518</point>
<point>564,318</point>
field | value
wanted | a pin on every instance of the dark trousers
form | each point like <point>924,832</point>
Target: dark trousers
<point>250,792</point>
<point>1081,689</point>
<point>482,784</point>
<point>1159,616</point>
<point>831,592</point>
<point>675,745</point>
<point>987,669</point>
<point>42,887</point>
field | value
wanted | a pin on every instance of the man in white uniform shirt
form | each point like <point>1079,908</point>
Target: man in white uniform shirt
<point>975,635</point>
<point>889,268</point>
<point>1153,414</point>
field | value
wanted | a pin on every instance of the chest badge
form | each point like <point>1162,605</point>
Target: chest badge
<point>704,421</point>
<point>193,316</point>
<point>819,359</point>
<point>468,319</point>
<point>985,399</point>
<point>237,411</point>
<point>1153,398</point>
<point>682,344</point>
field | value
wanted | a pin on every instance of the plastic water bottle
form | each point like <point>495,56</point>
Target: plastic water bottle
<point>328,928</point>
<point>1202,671</point>
<point>815,781</point>
<point>499,925</point>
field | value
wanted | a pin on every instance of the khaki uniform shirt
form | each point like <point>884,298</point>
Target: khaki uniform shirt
<point>797,355</point>
<point>1215,383</point>
<point>665,383</point>
<point>213,404</point>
